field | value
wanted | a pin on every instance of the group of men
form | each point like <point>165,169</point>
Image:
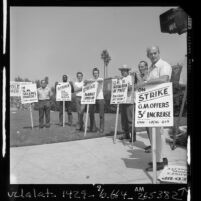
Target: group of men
<point>159,72</point>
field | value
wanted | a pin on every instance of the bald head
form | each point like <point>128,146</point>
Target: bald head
<point>153,53</point>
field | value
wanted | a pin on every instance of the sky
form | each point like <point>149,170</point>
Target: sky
<point>52,41</point>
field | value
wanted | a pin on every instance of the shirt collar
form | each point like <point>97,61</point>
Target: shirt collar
<point>157,63</point>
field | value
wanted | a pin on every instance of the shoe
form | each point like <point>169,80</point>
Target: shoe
<point>165,162</point>
<point>94,130</point>
<point>147,148</point>
<point>130,140</point>
<point>159,166</point>
<point>101,131</point>
<point>81,129</point>
<point>47,126</point>
<point>78,127</point>
<point>122,137</point>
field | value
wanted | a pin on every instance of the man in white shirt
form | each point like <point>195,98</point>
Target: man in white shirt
<point>78,95</point>
<point>99,103</point>
<point>159,72</point>
<point>143,70</point>
<point>127,108</point>
<point>44,94</point>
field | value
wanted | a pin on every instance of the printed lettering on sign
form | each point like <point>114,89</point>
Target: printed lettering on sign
<point>89,93</point>
<point>154,106</point>
<point>15,88</point>
<point>28,93</point>
<point>119,91</point>
<point>174,174</point>
<point>63,92</point>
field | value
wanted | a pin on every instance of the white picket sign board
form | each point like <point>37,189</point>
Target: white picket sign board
<point>154,106</point>
<point>28,93</point>
<point>15,88</point>
<point>119,91</point>
<point>174,174</point>
<point>63,91</point>
<point>89,92</point>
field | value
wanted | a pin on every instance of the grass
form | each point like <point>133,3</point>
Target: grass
<point>21,133</point>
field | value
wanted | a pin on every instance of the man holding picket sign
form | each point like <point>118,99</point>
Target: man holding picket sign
<point>99,102</point>
<point>78,85</point>
<point>142,76</point>
<point>65,105</point>
<point>127,107</point>
<point>159,72</point>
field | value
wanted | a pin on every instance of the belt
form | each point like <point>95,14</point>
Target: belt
<point>45,100</point>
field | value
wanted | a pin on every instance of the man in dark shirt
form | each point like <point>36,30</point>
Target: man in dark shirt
<point>68,105</point>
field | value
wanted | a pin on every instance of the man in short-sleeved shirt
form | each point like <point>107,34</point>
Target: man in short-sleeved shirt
<point>78,95</point>
<point>127,108</point>
<point>159,72</point>
<point>44,94</point>
<point>99,102</point>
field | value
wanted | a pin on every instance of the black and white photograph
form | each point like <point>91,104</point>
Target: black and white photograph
<point>98,95</point>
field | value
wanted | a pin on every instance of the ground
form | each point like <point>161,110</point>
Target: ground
<point>21,133</point>
<point>59,159</point>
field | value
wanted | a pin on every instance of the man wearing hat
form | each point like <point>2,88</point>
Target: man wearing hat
<point>68,105</point>
<point>127,108</point>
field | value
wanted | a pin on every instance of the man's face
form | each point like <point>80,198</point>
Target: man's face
<point>43,84</point>
<point>154,55</point>
<point>143,69</point>
<point>124,73</point>
<point>65,78</point>
<point>79,77</point>
<point>96,74</point>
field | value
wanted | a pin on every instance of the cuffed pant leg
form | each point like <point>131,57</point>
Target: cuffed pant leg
<point>81,115</point>
<point>123,118</point>
<point>61,112</point>
<point>47,113</point>
<point>163,155</point>
<point>101,113</point>
<point>41,114</point>
<point>92,108</point>
<point>158,144</point>
<point>78,108</point>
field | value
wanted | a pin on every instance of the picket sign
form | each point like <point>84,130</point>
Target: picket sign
<point>88,97</point>
<point>86,121</point>
<point>15,88</point>
<point>154,108</point>
<point>63,93</point>
<point>133,114</point>
<point>29,95</point>
<point>116,124</point>
<point>154,155</point>
<point>31,116</point>
<point>63,113</point>
<point>118,96</point>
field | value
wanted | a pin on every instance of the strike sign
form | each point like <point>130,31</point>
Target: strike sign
<point>28,93</point>
<point>154,106</point>
<point>119,91</point>
<point>14,89</point>
<point>89,93</point>
<point>174,174</point>
<point>63,91</point>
